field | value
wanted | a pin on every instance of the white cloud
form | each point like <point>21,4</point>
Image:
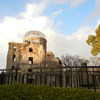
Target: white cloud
<point>76,2</point>
<point>96,12</point>
<point>98,22</point>
<point>73,3</point>
<point>60,1</point>
<point>14,29</point>
<point>54,14</point>
<point>33,10</point>
<point>73,44</point>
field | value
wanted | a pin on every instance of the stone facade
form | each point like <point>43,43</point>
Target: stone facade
<point>31,53</point>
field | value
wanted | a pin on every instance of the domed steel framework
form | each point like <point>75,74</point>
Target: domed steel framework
<point>35,34</point>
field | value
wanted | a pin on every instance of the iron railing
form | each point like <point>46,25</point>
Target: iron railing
<point>71,77</point>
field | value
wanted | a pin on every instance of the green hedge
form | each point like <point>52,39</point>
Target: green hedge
<point>33,92</point>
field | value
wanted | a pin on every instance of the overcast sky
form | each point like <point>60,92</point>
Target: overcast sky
<point>66,24</point>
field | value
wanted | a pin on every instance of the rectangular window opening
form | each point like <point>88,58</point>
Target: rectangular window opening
<point>30,60</point>
<point>12,67</point>
<point>48,55</point>
<point>29,70</point>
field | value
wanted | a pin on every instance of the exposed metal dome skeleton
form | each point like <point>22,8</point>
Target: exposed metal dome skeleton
<point>35,34</point>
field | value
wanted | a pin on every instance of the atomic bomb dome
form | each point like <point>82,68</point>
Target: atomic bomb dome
<point>35,34</point>
<point>31,53</point>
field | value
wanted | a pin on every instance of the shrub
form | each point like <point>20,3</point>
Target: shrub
<point>34,92</point>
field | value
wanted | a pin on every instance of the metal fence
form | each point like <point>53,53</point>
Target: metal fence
<point>70,77</point>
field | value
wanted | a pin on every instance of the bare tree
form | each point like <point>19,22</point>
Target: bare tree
<point>67,60</point>
<point>76,60</point>
<point>95,61</point>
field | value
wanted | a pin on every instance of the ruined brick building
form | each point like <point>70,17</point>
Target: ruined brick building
<point>30,63</point>
<point>31,53</point>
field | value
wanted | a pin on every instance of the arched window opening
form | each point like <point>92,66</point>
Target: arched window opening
<point>60,62</point>
<point>28,41</point>
<point>14,57</point>
<point>30,50</point>
<point>14,48</point>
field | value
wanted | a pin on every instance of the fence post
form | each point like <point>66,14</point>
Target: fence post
<point>60,77</point>
<point>16,74</point>
<point>87,78</point>
<point>94,80</point>
<point>2,78</point>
